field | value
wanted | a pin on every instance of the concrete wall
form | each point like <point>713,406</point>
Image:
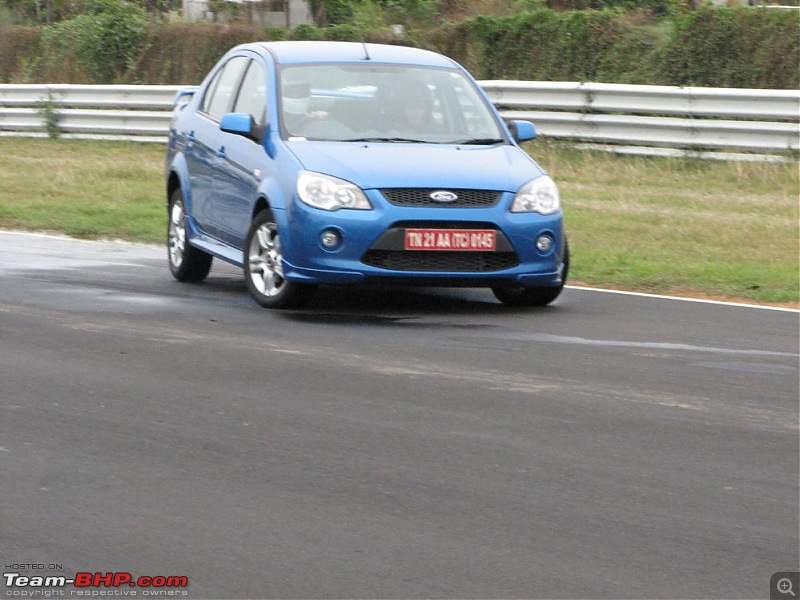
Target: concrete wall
<point>255,12</point>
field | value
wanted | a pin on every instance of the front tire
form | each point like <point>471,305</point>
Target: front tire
<point>263,267</point>
<point>539,296</point>
<point>187,263</point>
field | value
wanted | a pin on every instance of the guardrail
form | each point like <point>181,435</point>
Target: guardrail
<point>651,118</point>
<point>119,112</point>
<point>655,116</point>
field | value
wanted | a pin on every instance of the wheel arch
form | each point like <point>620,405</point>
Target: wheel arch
<point>261,204</point>
<point>178,179</point>
<point>173,184</point>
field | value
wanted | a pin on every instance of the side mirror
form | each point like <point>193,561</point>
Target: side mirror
<point>241,124</point>
<point>522,131</point>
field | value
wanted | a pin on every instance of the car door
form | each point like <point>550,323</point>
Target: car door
<point>203,143</point>
<point>243,161</point>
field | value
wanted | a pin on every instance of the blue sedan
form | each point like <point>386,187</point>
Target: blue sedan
<point>310,163</point>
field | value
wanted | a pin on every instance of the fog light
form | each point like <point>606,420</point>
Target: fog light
<point>544,243</point>
<point>329,239</point>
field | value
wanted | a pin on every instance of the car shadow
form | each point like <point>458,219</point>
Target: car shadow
<point>372,304</point>
<point>375,303</point>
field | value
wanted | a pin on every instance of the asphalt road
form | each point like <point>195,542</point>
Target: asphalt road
<point>387,444</point>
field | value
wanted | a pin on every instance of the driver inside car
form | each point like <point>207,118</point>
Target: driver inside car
<point>297,113</point>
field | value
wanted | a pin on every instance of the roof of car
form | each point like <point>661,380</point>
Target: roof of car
<point>316,52</point>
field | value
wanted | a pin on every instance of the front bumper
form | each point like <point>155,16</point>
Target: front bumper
<point>368,248</point>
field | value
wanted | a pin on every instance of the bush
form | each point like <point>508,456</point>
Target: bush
<point>372,14</point>
<point>101,44</point>
<point>634,57</point>
<point>20,53</point>
<point>734,48</point>
<point>543,45</point>
<point>719,47</point>
<point>657,7</point>
<point>332,11</point>
<point>183,53</point>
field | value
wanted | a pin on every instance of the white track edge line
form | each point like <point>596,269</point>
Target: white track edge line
<point>682,299</point>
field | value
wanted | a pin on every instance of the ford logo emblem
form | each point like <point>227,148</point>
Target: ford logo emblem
<point>443,196</point>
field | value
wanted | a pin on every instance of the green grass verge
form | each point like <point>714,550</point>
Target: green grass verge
<point>680,226</point>
<point>83,189</point>
<point>676,226</point>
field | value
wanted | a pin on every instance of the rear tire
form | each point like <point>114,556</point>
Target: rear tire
<point>187,263</point>
<point>263,267</point>
<point>538,296</point>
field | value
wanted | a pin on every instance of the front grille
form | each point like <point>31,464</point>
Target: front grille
<point>422,197</point>
<point>409,260</point>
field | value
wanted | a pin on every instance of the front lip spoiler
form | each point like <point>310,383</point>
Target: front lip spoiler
<point>422,278</point>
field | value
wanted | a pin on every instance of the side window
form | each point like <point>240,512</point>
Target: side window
<point>252,97</point>
<point>210,91</point>
<point>222,90</point>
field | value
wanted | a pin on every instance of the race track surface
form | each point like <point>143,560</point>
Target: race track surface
<point>388,443</point>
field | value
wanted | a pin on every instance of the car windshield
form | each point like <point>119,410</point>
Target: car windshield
<point>369,102</point>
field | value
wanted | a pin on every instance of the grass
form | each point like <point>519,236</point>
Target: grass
<point>688,227</point>
<point>680,226</point>
<point>83,189</point>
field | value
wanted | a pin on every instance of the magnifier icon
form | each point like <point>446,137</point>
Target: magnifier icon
<point>785,586</point>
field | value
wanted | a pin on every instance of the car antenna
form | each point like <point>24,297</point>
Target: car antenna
<point>363,45</point>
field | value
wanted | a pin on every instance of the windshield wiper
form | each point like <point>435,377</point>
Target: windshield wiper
<point>393,140</point>
<point>479,142</point>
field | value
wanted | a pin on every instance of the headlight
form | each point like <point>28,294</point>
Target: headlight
<point>538,195</point>
<point>330,193</point>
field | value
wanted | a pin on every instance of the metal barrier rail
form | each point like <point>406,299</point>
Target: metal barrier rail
<point>766,121</point>
<point>120,112</point>
<point>656,116</point>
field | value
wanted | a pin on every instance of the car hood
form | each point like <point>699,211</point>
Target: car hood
<point>381,165</point>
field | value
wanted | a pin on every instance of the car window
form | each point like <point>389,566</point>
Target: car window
<point>212,86</point>
<point>252,96</point>
<point>384,102</point>
<point>221,92</point>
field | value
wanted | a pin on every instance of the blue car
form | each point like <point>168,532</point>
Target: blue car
<point>309,163</point>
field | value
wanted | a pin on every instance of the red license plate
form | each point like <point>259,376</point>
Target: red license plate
<point>482,240</point>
